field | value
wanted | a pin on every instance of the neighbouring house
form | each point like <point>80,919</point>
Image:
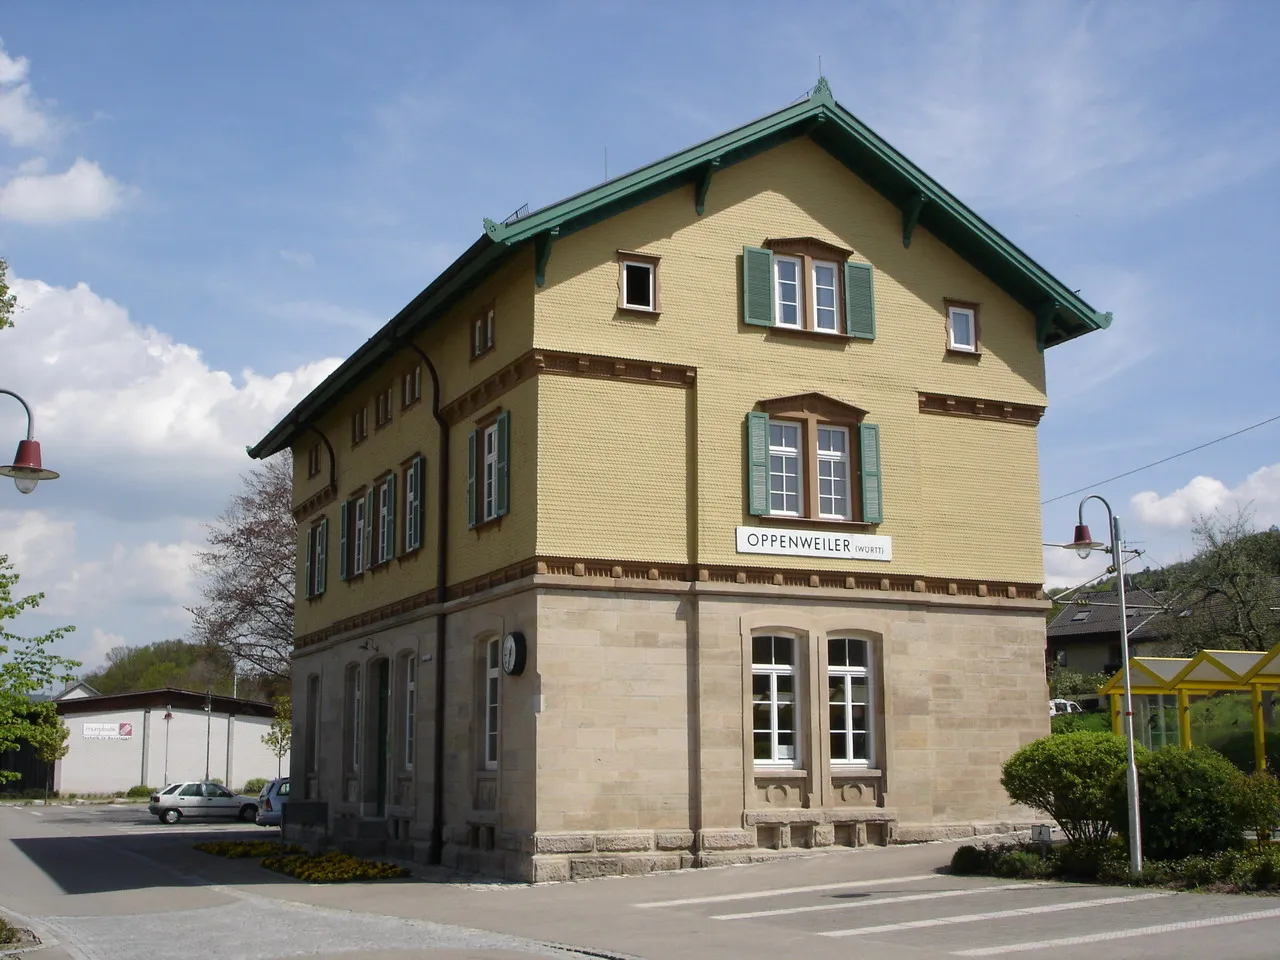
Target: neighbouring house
<point>1085,635</point>
<point>155,737</point>
<point>686,520</point>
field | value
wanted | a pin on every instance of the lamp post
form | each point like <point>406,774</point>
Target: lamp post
<point>1084,544</point>
<point>168,717</point>
<point>208,730</point>
<point>26,469</point>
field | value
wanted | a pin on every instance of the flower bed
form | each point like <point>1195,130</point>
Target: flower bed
<point>242,849</point>
<point>333,868</point>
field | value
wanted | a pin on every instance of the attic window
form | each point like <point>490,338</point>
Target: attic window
<point>962,327</point>
<point>1081,616</point>
<point>637,282</point>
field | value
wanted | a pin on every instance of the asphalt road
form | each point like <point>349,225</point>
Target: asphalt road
<point>110,883</point>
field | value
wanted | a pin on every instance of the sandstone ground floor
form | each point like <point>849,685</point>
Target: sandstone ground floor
<point>590,726</point>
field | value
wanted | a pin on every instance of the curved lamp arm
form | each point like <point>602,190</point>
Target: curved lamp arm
<point>31,420</point>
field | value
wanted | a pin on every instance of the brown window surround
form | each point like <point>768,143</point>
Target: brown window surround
<point>385,401</point>
<point>649,260</point>
<point>359,426</point>
<point>947,304</point>
<point>812,410</point>
<point>482,331</point>
<point>411,387</point>
<point>313,461</point>
<point>807,250</point>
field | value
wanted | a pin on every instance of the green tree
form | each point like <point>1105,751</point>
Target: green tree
<point>280,737</point>
<point>169,663</point>
<point>27,666</point>
<point>48,736</point>
<point>8,302</point>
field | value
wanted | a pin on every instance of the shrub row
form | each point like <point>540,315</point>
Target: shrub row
<point>240,849</point>
<point>334,868</point>
<point>1192,802</point>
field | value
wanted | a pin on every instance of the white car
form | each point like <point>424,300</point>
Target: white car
<point>198,798</point>
<point>271,802</point>
<point>1058,706</point>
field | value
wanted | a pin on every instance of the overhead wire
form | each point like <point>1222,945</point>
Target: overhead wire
<point>1156,463</point>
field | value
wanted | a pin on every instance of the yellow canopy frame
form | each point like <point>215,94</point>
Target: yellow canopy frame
<point>1209,671</point>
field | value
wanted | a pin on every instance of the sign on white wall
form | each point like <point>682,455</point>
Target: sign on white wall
<point>108,731</point>
<point>814,543</point>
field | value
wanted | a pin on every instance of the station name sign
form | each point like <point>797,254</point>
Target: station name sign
<point>814,543</point>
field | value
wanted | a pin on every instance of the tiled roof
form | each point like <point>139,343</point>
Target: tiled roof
<point>1101,615</point>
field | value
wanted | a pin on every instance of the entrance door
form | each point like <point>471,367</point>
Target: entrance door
<point>384,730</point>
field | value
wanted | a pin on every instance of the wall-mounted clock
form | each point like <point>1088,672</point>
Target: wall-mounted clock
<point>514,651</point>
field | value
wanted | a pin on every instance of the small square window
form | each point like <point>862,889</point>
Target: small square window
<point>359,425</point>
<point>482,333</point>
<point>313,461</point>
<point>962,329</point>
<point>637,286</point>
<point>384,407</point>
<point>411,387</point>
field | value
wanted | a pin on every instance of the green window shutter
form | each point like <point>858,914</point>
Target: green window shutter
<point>322,555</point>
<point>472,441</point>
<point>859,301</point>
<point>757,286</point>
<point>370,508</point>
<point>757,464</point>
<point>389,549</point>
<point>869,444</point>
<point>501,479</point>
<point>419,498</point>
<point>306,563</point>
<point>344,524</point>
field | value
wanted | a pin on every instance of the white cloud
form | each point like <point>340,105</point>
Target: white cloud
<point>1259,492</point>
<point>299,258</point>
<point>21,120</point>
<point>83,192</point>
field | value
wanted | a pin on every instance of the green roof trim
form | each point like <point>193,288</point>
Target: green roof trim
<point>1060,314</point>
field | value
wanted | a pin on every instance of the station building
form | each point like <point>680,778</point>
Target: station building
<point>684,521</point>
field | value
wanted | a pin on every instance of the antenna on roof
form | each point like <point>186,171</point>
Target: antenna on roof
<point>819,66</point>
<point>606,161</point>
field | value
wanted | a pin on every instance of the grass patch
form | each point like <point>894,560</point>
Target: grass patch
<point>333,868</point>
<point>247,849</point>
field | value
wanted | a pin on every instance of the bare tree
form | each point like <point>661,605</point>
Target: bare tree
<point>1228,591</point>
<point>247,573</point>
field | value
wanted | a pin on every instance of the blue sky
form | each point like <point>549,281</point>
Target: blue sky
<point>205,207</point>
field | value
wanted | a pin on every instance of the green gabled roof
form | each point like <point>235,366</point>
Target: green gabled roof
<point>1060,314</point>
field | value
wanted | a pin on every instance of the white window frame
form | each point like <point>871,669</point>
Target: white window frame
<point>318,548</point>
<point>357,720</point>
<point>489,475</point>
<point>488,329</point>
<point>971,317</point>
<point>845,675</point>
<point>492,703</point>
<point>828,457</point>
<point>800,285</point>
<point>412,505</point>
<point>835,287</point>
<point>799,454</point>
<point>357,538</point>
<point>412,386</point>
<point>773,671</point>
<point>653,273</point>
<point>384,530</point>
<point>410,707</point>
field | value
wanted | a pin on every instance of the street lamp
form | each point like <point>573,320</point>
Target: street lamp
<point>168,718</point>
<point>26,469</point>
<point>1083,545</point>
<point>208,729</point>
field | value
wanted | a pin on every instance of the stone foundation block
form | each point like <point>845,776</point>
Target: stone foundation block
<point>726,839</point>
<point>586,868</point>
<point>823,835</point>
<point>633,866</point>
<point>924,832</point>
<point>623,842</point>
<point>548,869</point>
<point>724,859</point>
<point>674,840</point>
<point>563,843</point>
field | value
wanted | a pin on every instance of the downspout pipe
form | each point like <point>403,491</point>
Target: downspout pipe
<point>442,580</point>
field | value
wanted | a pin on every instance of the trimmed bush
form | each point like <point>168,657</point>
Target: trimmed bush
<point>1070,777</point>
<point>1189,800</point>
<point>242,849</point>
<point>1077,722</point>
<point>141,790</point>
<point>9,933</point>
<point>334,868</point>
<point>254,787</point>
<point>1258,805</point>
<point>969,860</point>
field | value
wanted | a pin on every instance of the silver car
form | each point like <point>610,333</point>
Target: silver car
<point>201,799</point>
<point>271,802</point>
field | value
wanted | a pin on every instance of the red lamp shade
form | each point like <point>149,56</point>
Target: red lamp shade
<point>26,468</point>
<point>1083,543</point>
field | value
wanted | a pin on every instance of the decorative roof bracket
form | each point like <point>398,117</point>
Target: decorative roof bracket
<point>911,216</point>
<point>542,253</point>
<point>1045,314</point>
<point>703,184</point>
